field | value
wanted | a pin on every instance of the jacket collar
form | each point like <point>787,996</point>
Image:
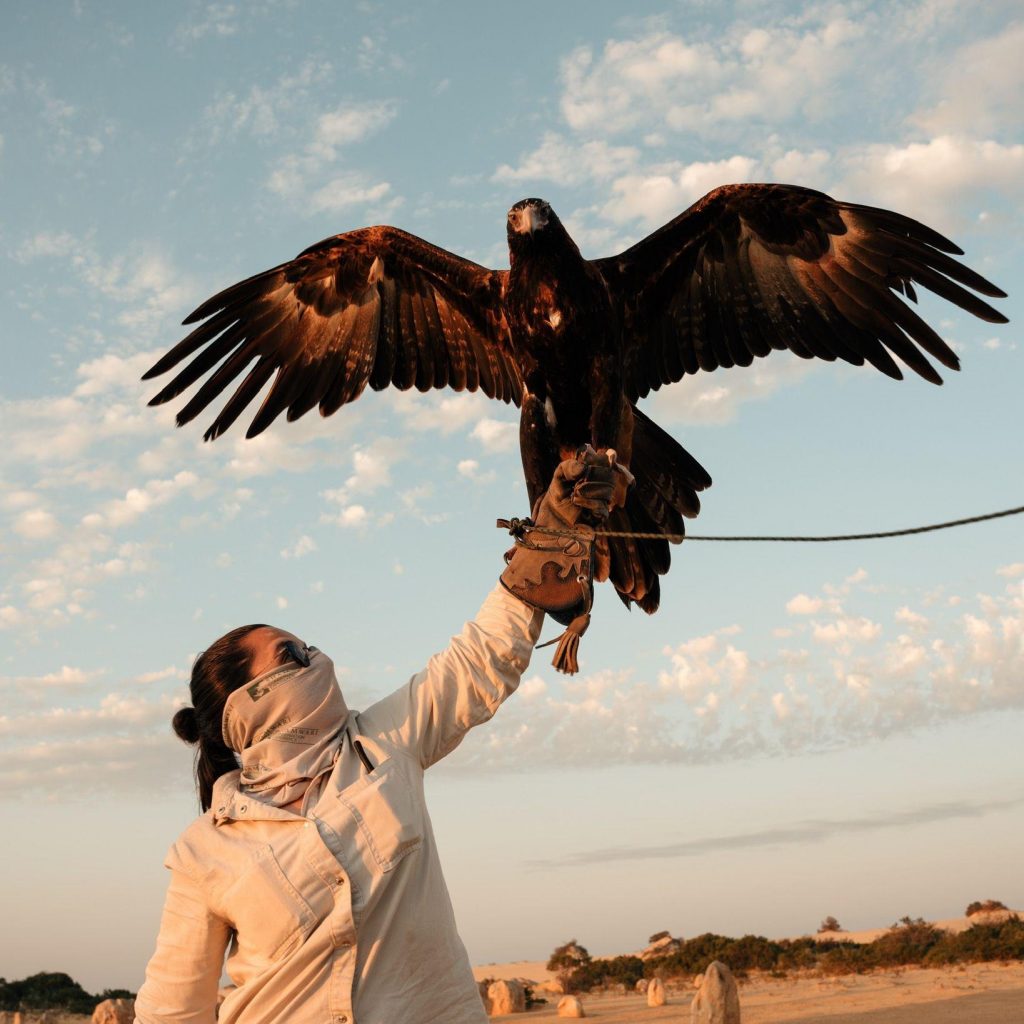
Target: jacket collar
<point>232,803</point>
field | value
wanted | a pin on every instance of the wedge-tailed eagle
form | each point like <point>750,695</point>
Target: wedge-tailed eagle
<point>576,343</point>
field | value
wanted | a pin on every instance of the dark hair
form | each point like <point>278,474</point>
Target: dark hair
<point>220,670</point>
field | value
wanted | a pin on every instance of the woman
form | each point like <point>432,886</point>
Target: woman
<point>314,866</point>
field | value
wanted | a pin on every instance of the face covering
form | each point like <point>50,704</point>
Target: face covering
<point>286,725</point>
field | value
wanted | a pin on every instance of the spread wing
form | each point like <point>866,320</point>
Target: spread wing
<point>375,306</point>
<point>751,268</point>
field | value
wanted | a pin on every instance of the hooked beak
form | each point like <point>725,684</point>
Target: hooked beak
<point>528,219</point>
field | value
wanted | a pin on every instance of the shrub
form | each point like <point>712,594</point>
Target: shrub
<point>48,991</point>
<point>531,999</point>
<point>566,961</point>
<point>911,940</point>
<point>983,906</point>
<point>752,952</point>
<point>658,936</point>
<point>830,924</point>
<point>1002,941</point>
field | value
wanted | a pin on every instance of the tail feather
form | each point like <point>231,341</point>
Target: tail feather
<point>667,481</point>
<point>667,465</point>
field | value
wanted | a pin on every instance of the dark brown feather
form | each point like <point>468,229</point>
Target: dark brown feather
<point>370,307</point>
<point>750,268</point>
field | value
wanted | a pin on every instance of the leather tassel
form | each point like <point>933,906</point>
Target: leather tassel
<point>565,659</point>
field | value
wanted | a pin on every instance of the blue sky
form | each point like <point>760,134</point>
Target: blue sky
<point>798,732</point>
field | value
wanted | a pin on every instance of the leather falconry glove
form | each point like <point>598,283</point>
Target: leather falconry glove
<point>554,571</point>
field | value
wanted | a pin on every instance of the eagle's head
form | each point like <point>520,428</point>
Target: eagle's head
<point>533,228</point>
<point>528,217</point>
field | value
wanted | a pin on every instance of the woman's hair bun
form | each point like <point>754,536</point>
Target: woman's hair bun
<point>186,725</point>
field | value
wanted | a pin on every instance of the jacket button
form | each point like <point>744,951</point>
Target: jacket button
<point>340,879</point>
<point>342,1019</point>
<point>242,808</point>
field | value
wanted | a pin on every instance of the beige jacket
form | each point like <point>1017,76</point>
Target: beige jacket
<point>342,917</point>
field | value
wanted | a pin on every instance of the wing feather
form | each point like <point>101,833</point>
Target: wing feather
<point>375,307</point>
<point>752,268</point>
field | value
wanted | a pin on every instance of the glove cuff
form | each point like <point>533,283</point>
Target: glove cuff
<point>555,573</point>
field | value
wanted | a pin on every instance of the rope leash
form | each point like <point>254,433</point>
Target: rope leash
<point>517,527</point>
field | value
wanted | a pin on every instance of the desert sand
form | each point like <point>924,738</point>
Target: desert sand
<point>986,993</point>
<point>969,994</point>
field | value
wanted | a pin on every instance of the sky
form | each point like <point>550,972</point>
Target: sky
<point>799,731</point>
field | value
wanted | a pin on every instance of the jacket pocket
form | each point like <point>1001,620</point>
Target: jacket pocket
<point>268,914</point>
<point>388,813</point>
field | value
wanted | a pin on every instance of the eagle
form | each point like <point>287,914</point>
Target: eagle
<point>577,343</point>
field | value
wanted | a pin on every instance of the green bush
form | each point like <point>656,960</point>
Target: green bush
<point>980,942</point>
<point>981,906</point>
<point>909,941</point>
<point>570,962</point>
<point>750,953</point>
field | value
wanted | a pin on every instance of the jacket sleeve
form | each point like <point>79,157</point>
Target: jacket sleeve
<point>463,685</point>
<point>183,974</point>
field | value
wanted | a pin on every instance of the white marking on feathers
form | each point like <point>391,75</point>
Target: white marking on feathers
<point>549,414</point>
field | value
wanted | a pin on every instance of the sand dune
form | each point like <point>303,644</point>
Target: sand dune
<point>950,924</point>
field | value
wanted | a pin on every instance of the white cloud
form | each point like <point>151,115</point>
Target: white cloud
<point>703,664</point>
<point>66,677</point>
<point>470,469</point>
<point>114,373</point>
<point>262,110</point>
<point>931,180</point>
<point>114,711</point>
<point>1011,571</point>
<point>79,447</point>
<point>996,73</point>
<point>158,675</point>
<point>719,700</point>
<point>350,516</point>
<point>348,123</point>
<point>347,190</point>
<point>303,546</point>
<point>911,618</point>
<point>804,605</point>
<point>144,763</point>
<point>444,413</point>
<point>658,194</point>
<point>10,616</point>
<point>140,500</point>
<point>62,120</point>
<point>371,469</point>
<point>568,162</point>
<point>36,524</point>
<point>845,631</point>
<point>716,397</point>
<point>217,19</point>
<point>496,435</point>
<point>143,281</point>
<point>790,68</point>
<point>299,175</point>
<point>289,447</point>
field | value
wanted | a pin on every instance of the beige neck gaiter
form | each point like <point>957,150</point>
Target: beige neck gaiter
<point>286,726</point>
